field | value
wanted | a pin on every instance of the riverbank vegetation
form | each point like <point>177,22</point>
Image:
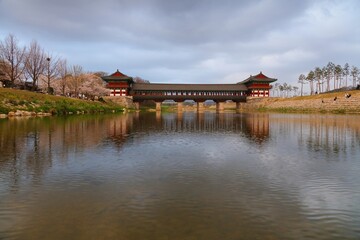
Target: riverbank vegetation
<point>34,69</point>
<point>12,100</point>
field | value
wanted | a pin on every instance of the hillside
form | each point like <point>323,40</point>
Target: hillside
<point>21,102</point>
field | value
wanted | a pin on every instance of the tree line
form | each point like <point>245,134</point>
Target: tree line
<point>330,77</point>
<point>285,90</point>
<point>32,68</point>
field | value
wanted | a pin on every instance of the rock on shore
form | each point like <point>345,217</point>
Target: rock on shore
<point>21,113</point>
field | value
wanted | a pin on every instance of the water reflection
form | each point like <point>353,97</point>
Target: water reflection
<point>180,176</point>
<point>324,135</point>
<point>29,144</point>
<point>256,127</point>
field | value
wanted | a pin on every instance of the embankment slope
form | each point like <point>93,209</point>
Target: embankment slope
<point>21,102</point>
<point>327,102</point>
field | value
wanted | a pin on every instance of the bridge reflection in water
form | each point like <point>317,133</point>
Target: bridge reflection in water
<point>32,143</point>
<point>254,127</point>
<point>37,140</point>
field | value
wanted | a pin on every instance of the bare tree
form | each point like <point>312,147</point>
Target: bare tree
<point>338,71</point>
<point>329,74</point>
<point>295,89</point>
<point>346,72</point>
<point>286,88</point>
<point>35,63</point>
<point>318,76</point>
<point>140,80</point>
<point>75,80</point>
<point>100,73</point>
<point>302,79</point>
<point>310,77</point>
<point>64,75</point>
<point>355,74</point>
<point>3,68</point>
<point>324,77</point>
<point>51,71</point>
<point>13,56</point>
<point>281,89</point>
<point>276,89</point>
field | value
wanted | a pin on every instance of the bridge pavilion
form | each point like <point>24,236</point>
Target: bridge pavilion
<point>258,85</point>
<point>118,83</point>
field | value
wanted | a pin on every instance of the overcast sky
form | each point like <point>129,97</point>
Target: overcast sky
<point>191,41</point>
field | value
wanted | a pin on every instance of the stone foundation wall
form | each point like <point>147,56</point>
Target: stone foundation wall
<point>334,102</point>
<point>125,101</point>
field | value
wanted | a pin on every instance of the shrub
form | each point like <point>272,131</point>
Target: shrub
<point>4,110</point>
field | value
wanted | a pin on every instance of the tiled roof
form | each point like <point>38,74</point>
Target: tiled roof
<point>117,76</point>
<point>258,78</point>
<point>188,87</point>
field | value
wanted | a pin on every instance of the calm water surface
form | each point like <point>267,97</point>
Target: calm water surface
<point>180,176</point>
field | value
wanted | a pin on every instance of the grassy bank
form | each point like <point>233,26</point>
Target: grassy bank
<point>319,103</point>
<point>12,100</point>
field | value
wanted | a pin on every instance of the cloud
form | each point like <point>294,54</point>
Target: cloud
<point>287,58</point>
<point>184,22</point>
<point>190,41</point>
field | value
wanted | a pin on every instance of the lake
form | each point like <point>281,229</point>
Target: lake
<point>180,176</point>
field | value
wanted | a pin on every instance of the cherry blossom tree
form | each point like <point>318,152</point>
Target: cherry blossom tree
<point>93,86</point>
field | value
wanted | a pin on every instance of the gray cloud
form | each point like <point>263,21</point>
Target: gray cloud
<point>191,41</point>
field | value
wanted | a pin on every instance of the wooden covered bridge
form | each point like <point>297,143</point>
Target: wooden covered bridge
<point>254,86</point>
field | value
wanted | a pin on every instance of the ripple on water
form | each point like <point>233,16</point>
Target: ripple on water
<point>11,218</point>
<point>170,179</point>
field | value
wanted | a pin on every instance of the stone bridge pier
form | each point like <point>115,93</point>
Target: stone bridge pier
<point>180,106</point>
<point>220,106</point>
<point>239,106</point>
<point>158,106</point>
<point>200,106</point>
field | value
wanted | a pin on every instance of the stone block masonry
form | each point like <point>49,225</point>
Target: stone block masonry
<point>333,102</point>
<point>125,101</point>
